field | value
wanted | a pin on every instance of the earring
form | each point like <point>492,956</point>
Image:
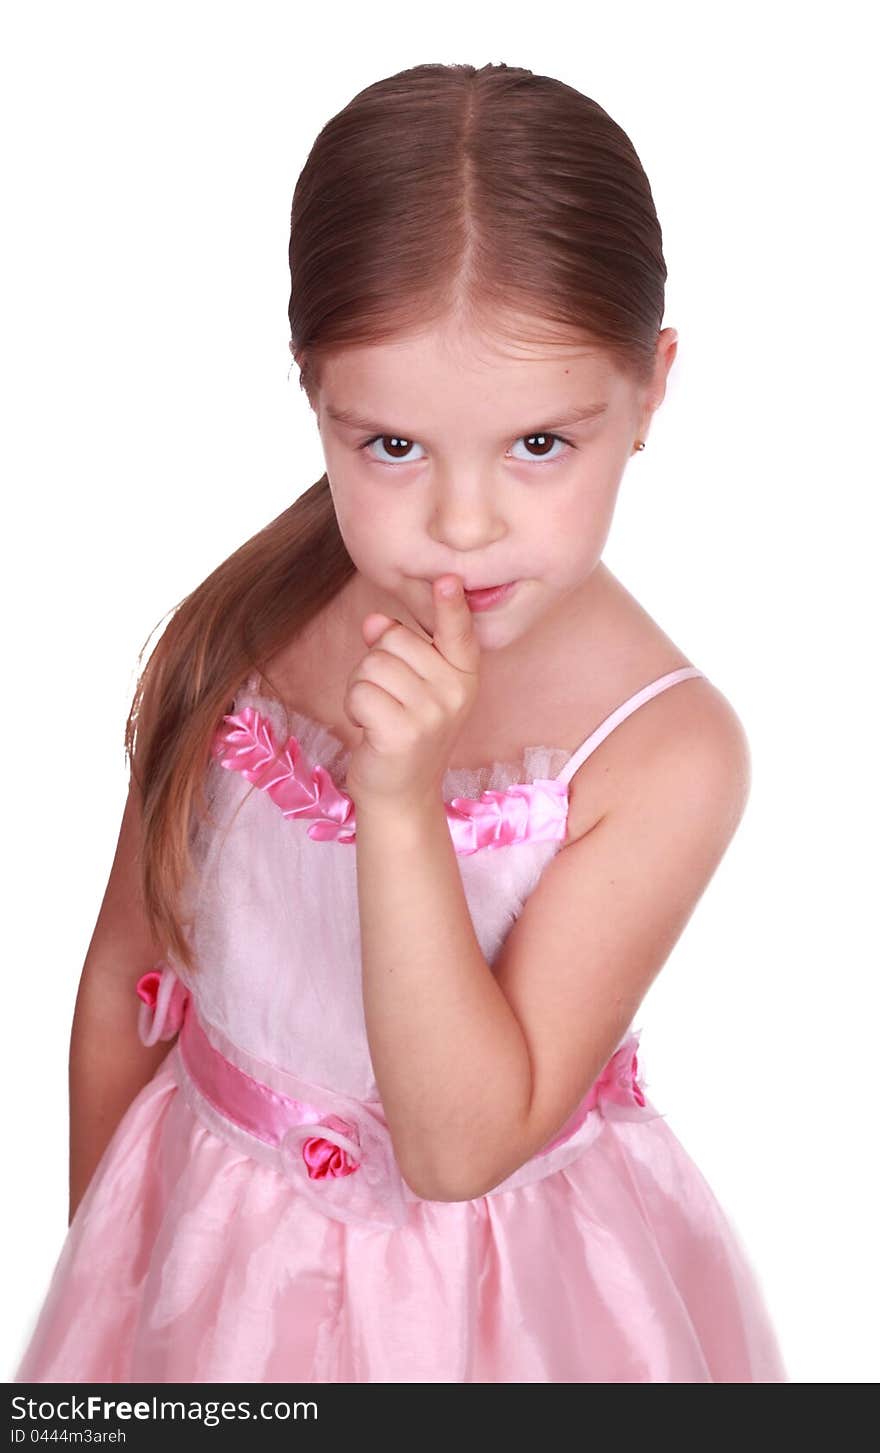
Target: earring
<point>640,444</point>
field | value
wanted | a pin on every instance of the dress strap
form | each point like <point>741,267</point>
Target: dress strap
<point>683,673</point>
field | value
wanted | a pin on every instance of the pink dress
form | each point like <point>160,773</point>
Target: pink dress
<point>248,1221</point>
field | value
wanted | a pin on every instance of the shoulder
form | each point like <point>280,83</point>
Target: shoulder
<point>686,746</point>
<point>700,748</point>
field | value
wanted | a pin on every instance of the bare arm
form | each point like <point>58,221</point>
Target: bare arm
<point>479,1067</point>
<point>108,1064</point>
<point>449,1054</point>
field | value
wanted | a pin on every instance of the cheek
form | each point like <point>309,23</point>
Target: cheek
<point>588,510</point>
<point>348,500</point>
<point>374,532</point>
<point>573,520</point>
<point>371,519</point>
<point>574,532</point>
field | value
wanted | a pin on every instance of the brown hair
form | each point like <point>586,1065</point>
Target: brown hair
<point>494,192</point>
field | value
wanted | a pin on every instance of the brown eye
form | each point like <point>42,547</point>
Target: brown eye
<point>394,446</point>
<point>543,443</point>
<point>540,445</point>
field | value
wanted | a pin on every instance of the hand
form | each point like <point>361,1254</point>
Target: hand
<point>412,696</point>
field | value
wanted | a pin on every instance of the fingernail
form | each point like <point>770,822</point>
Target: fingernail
<point>449,588</point>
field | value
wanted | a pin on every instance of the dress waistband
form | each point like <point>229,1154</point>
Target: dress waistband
<point>335,1150</point>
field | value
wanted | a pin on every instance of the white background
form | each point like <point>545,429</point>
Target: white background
<point>150,427</point>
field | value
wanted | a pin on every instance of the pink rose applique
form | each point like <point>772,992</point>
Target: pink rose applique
<point>616,1086</point>
<point>619,1081</point>
<point>148,987</point>
<point>635,1087</point>
<point>325,1157</point>
<point>164,999</point>
<point>318,1157</point>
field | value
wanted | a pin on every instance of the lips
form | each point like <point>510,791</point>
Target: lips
<point>479,600</point>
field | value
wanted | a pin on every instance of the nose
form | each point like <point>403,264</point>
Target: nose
<point>464,512</point>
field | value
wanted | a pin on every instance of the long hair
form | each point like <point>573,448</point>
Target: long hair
<point>492,191</point>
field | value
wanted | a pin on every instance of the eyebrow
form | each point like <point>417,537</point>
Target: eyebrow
<point>579,414</point>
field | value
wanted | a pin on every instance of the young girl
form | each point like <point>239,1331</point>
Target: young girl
<point>398,864</point>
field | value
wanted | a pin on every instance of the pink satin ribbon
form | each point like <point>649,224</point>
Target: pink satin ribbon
<point>337,1151</point>
<point>524,812</point>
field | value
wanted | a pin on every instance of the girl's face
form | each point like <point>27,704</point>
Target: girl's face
<point>451,452</point>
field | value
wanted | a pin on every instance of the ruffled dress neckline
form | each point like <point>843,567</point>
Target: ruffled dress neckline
<point>303,771</point>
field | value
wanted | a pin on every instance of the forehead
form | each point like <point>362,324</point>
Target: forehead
<point>458,371</point>
<point>460,346</point>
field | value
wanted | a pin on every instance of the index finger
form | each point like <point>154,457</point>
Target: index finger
<point>454,634</point>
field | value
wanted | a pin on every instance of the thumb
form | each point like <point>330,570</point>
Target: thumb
<point>373,625</point>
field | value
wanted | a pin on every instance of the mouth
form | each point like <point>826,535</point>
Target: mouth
<point>484,597</point>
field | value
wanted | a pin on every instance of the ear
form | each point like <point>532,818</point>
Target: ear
<point>667,347</point>
<point>655,393</point>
